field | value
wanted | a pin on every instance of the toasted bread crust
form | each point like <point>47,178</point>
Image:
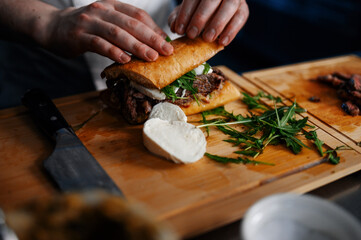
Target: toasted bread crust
<point>188,54</point>
<point>227,94</point>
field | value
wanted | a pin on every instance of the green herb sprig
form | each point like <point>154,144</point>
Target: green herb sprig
<point>184,82</point>
<point>272,127</point>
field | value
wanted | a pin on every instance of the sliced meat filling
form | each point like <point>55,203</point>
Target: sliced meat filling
<point>136,107</point>
<point>205,84</point>
<point>349,90</point>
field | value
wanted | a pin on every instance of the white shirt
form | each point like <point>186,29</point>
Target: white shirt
<point>159,10</point>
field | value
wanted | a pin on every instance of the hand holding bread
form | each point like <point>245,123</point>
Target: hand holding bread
<point>221,19</point>
<point>110,28</point>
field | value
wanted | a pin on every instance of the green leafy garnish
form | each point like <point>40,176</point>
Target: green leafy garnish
<point>206,69</point>
<point>312,135</point>
<point>252,102</point>
<point>235,160</point>
<point>204,120</point>
<point>184,82</point>
<point>272,127</point>
<point>168,39</point>
<point>331,155</point>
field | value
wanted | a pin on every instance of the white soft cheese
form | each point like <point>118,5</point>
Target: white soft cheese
<point>168,111</point>
<point>199,70</point>
<point>177,141</point>
<point>150,92</point>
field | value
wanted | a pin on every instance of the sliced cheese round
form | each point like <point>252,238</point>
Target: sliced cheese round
<point>168,111</point>
<point>177,141</point>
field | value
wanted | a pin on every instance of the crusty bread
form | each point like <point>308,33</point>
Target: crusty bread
<point>188,54</point>
<point>227,94</point>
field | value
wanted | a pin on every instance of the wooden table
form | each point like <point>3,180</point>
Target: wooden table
<point>202,196</point>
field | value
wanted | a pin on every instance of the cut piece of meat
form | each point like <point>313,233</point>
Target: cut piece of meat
<point>350,108</point>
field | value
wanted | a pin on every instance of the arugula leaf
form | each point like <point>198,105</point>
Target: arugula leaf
<point>287,116</point>
<point>235,160</point>
<point>220,111</point>
<point>184,82</point>
<point>205,122</point>
<point>168,39</point>
<point>278,126</point>
<point>312,135</point>
<point>207,67</point>
<point>295,146</point>
<point>331,155</point>
<point>170,93</point>
<point>247,153</point>
<point>252,102</point>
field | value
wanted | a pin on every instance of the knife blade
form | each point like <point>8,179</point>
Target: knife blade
<point>70,165</point>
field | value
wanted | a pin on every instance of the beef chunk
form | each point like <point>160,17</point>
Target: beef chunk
<point>350,108</point>
<point>205,84</point>
<point>342,76</point>
<point>355,82</point>
<point>348,89</point>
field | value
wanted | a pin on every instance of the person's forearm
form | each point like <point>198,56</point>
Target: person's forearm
<point>27,19</point>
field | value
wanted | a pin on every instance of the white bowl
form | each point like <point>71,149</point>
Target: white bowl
<point>296,217</point>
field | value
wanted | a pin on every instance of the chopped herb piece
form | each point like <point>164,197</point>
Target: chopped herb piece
<point>184,82</point>
<point>331,155</point>
<point>276,126</point>
<point>206,69</point>
<point>312,135</point>
<point>247,153</point>
<point>168,39</point>
<point>252,102</point>
<point>235,160</point>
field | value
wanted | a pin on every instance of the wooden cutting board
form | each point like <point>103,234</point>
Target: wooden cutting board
<point>192,198</point>
<point>296,82</point>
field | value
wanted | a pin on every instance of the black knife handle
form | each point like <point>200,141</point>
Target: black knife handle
<point>44,111</point>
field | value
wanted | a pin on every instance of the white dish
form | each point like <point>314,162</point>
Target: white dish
<point>295,217</point>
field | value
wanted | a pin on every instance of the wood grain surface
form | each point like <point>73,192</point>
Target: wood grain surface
<point>296,82</point>
<point>192,198</point>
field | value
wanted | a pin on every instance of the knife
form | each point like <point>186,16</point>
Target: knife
<point>70,165</point>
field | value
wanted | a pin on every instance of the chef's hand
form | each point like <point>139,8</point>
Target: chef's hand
<point>216,18</point>
<point>108,28</point>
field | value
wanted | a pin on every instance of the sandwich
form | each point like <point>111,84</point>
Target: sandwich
<point>184,79</point>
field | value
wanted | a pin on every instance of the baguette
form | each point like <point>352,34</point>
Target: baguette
<point>227,94</point>
<point>188,54</point>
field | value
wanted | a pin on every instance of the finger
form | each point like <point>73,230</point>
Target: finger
<point>201,16</point>
<point>235,25</point>
<point>123,39</point>
<point>223,15</point>
<point>101,46</point>
<point>172,18</point>
<point>140,15</point>
<point>185,14</point>
<point>140,31</point>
